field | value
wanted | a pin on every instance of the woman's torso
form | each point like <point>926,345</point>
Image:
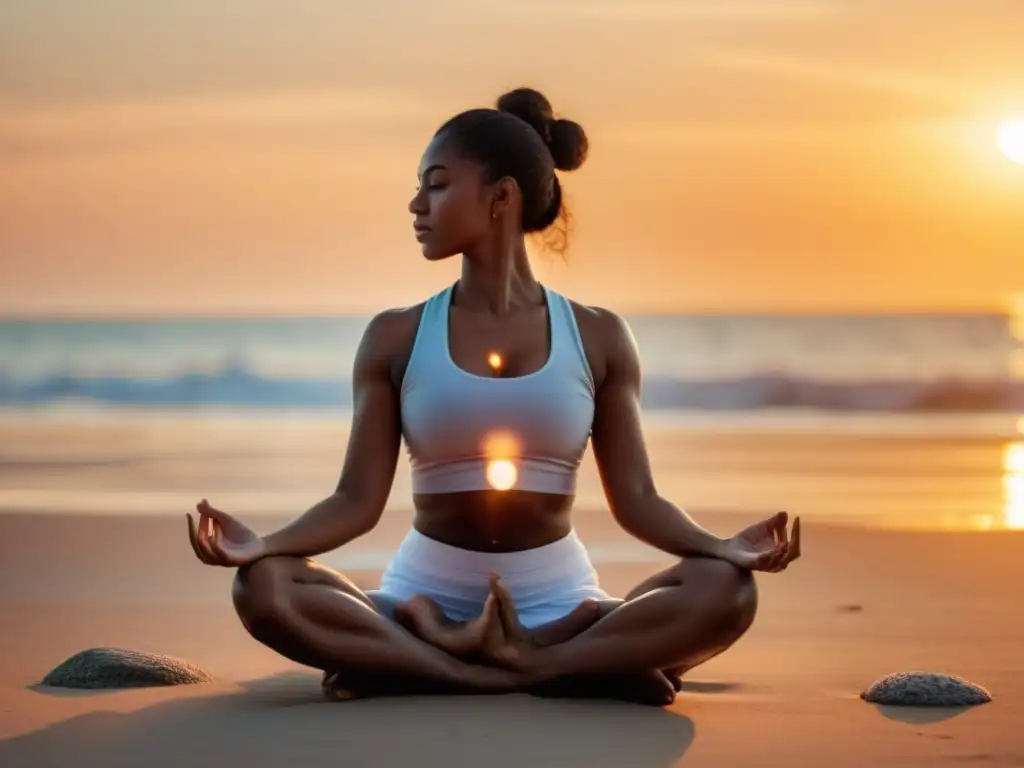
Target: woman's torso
<point>551,365</point>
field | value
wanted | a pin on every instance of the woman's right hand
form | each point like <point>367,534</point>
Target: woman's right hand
<point>220,539</point>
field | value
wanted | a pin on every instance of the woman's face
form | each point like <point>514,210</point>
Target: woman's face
<point>452,205</point>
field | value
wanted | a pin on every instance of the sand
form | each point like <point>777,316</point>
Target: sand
<point>860,604</point>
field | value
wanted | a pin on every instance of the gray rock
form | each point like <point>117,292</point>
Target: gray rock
<point>121,668</point>
<point>925,689</point>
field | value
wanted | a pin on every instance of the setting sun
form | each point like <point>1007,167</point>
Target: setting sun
<point>1010,138</point>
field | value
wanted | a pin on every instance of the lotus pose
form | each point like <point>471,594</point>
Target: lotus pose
<point>496,384</point>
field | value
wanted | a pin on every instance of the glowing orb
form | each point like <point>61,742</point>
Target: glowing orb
<point>502,474</point>
<point>500,444</point>
<point>1010,138</point>
<point>494,360</point>
<point>501,447</point>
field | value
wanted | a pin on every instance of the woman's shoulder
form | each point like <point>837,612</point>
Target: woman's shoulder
<point>392,331</point>
<point>398,325</point>
<point>606,336</point>
<point>596,318</point>
<point>601,323</point>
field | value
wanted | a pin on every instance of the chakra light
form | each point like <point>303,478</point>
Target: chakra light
<point>501,448</point>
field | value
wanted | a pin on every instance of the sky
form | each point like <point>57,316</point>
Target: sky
<point>257,156</point>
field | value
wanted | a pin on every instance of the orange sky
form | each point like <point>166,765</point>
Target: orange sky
<point>766,155</point>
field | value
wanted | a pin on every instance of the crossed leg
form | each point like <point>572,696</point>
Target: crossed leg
<point>675,620</point>
<point>672,621</point>
<point>315,616</point>
<point>425,618</point>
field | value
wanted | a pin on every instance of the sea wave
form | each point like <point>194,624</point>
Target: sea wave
<point>237,386</point>
<point>948,395</point>
<point>234,386</point>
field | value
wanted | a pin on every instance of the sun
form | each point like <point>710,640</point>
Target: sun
<point>1010,138</point>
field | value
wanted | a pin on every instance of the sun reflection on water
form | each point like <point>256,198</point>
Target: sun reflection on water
<point>1013,453</point>
<point>1013,485</point>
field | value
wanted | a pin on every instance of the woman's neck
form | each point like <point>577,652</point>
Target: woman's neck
<point>499,283</point>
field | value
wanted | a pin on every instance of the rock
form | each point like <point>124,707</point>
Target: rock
<point>122,668</point>
<point>925,689</point>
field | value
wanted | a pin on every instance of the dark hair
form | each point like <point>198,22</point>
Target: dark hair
<point>524,140</point>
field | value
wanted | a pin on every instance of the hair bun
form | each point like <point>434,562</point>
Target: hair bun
<point>565,139</point>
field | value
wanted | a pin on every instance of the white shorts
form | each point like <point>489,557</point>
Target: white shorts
<point>546,583</point>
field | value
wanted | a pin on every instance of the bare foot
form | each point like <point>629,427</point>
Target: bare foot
<point>582,617</point>
<point>675,677</point>
<point>507,644</point>
<point>424,618</point>
<point>652,688</point>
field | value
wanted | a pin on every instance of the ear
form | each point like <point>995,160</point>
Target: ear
<point>504,196</point>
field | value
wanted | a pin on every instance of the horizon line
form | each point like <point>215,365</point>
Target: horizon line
<point>851,311</point>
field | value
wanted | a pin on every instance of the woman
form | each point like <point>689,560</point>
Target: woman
<point>491,591</point>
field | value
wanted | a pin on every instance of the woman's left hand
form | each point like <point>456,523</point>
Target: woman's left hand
<point>764,546</point>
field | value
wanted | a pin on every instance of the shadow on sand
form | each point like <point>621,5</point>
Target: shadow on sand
<point>698,686</point>
<point>282,721</point>
<point>919,715</point>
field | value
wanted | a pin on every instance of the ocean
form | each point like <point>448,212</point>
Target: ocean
<point>876,364</point>
<point>891,420</point>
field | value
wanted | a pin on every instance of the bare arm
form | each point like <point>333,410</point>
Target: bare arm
<point>357,503</point>
<point>621,453</point>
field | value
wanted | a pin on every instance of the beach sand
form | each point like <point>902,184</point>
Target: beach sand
<point>787,694</point>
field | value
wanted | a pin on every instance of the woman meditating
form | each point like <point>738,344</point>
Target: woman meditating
<point>496,384</point>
